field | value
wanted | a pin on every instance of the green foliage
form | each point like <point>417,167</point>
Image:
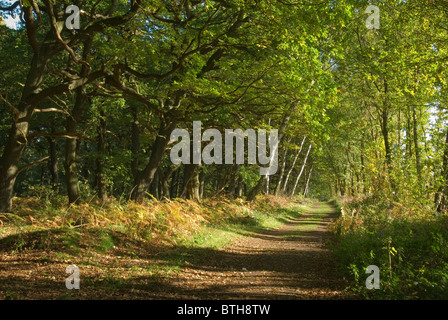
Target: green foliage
<point>410,250</point>
<point>372,103</point>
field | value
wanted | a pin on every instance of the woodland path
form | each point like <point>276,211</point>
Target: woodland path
<point>290,262</point>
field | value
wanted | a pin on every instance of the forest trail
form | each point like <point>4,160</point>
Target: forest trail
<point>290,262</point>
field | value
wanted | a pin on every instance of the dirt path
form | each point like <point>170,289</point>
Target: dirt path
<point>292,262</point>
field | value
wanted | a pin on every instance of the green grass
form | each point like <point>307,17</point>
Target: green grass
<point>314,219</point>
<point>218,236</point>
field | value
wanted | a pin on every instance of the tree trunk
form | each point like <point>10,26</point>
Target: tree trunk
<point>285,185</point>
<point>17,139</point>
<point>239,188</point>
<point>282,172</point>
<point>53,162</point>
<point>154,187</point>
<point>164,178</point>
<point>233,181</point>
<point>301,171</point>
<point>191,188</point>
<point>417,149</point>
<point>263,179</point>
<point>305,193</point>
<point>101,145</point>
<point>201,184</point>
<point>409,153</point>
<point>440,198</point>
<point>146,176</point>
<point>174,185</point>
<point>363,189</point>
<point>257,189</point>
<point>385,132</point>
<point>135,144</point>
<point>70,166</point>
<point>10,160</point>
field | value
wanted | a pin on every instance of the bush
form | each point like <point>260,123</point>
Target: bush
<point>409,247</point>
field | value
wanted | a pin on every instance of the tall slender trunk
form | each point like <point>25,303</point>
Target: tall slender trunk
<point>416,147</point>
<point>174,184</point>
<point>201,184</point>
<point>53,162</point>
<point>285,185</point>
<point>385,132</point>
<point>409,153</point>
<point>363,190</point>
<point>301,171</point>
<point>263,179</point>
<point>305,193</point>
<point>101,145</point>
<point>71,145</point>
<point>441,196</point>
<point>282,173</point>
<point>239,187</point>
<point>135,141</point>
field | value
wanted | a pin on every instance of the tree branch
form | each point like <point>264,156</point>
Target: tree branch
<point>54,26</point>
<point>11,7</point>
<point>65,87</point>
<point>36,135</point>
<point>35,163</point>
<point>50,110</point>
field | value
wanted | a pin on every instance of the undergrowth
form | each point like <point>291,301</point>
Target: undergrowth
<point>409,245</point>
<point>215,222</point>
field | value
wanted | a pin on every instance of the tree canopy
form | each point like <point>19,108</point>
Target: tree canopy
<point>90,111</point>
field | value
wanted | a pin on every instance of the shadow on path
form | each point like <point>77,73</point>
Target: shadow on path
<point>291,262</point>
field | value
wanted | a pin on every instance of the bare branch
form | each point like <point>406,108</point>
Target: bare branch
<point>51,110</point>
<point>66,135</point>
<point>14,110</point>
<point>11,7</point>
<point>65,87</point>
<point>64,73</point>
<point>35,163</point>
<point>54,26</point>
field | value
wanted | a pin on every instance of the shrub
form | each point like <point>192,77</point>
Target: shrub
<point>409,246</point>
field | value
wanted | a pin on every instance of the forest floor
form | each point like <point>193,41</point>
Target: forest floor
<point>289,262</point>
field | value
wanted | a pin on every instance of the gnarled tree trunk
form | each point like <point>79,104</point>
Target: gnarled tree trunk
<point>146,176</point>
